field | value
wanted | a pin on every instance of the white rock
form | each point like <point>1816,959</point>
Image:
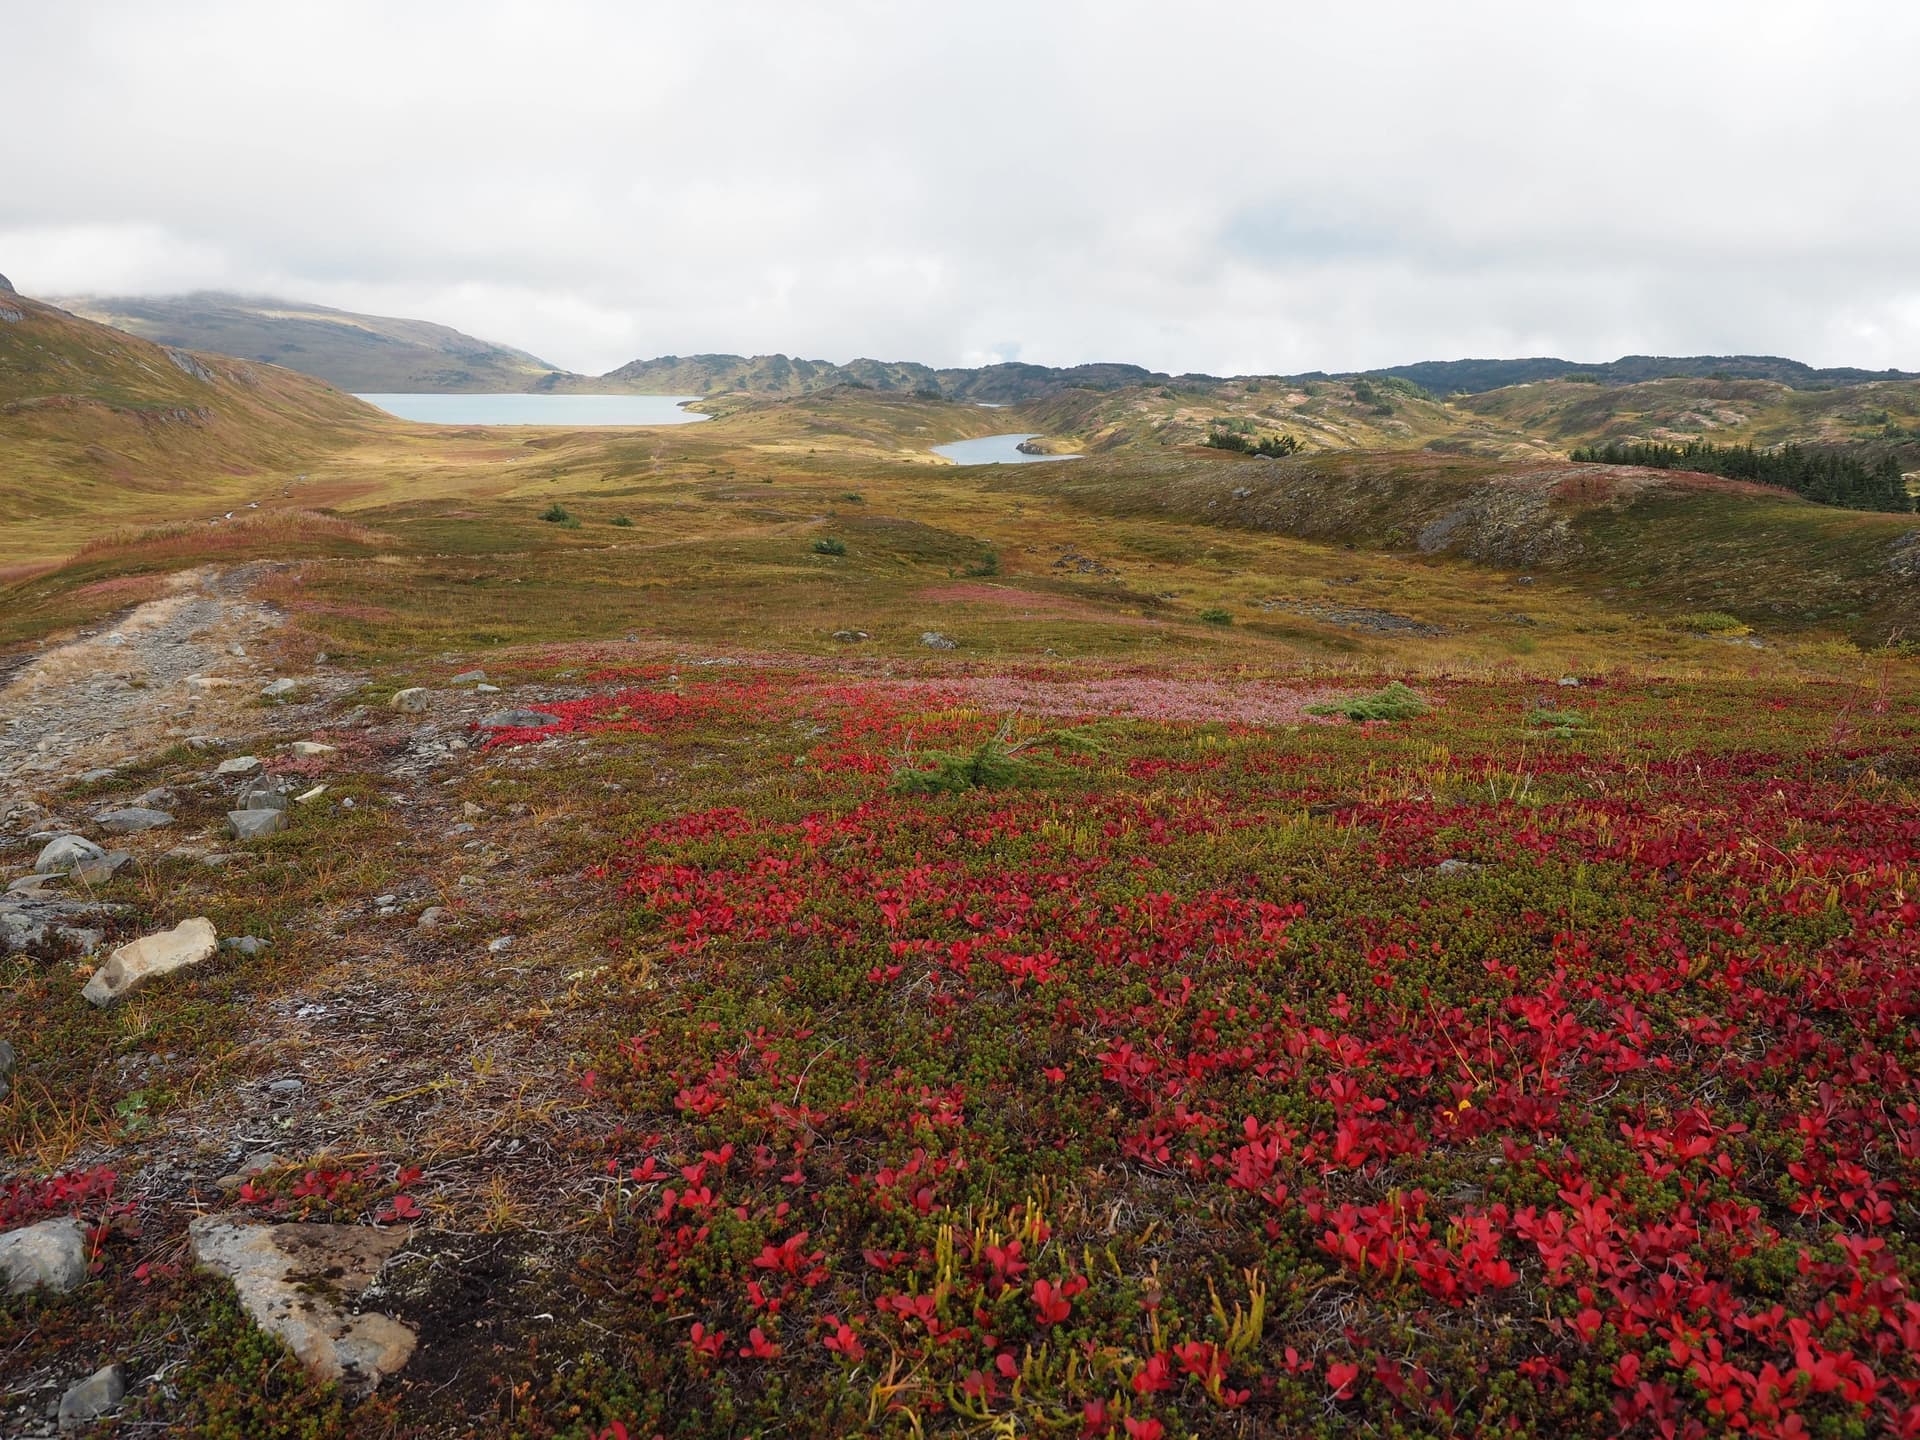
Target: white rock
<point>306,796</point>
<point>292,1279</point>
<point>308,748</point>
<point>49,1256</point>
<point>132,965</point>
<point>64,852</point>
<point>412,700</point>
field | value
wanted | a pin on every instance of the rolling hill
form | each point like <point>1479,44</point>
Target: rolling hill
<point>98,427</point>
<point>361,353</point>
<point>1449,377</point>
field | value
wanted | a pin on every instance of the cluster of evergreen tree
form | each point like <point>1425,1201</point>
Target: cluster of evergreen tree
<point>1828,476</point>
<point>1271,446</point>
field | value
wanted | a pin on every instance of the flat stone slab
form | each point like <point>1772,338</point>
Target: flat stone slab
<point>49,1256</point>
<point>298,1281</point>
<point>150,957</point>
<point>238,765</point>
<point>518,720</point>
<point>134,819</point>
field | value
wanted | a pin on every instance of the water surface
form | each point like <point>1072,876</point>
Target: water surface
<point>539,409</point>
<point>994,450</point>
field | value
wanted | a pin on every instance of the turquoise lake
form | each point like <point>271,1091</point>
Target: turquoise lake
<point>539,409</point>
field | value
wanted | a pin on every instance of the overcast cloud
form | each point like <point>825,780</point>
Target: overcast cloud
<point>1226,187</point>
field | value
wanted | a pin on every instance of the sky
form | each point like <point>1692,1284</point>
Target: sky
<point>1262,187</point>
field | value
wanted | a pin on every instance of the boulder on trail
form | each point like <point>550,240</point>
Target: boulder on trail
<point>66,852</point>
<point>132,965</point>
<point>297,1281</point>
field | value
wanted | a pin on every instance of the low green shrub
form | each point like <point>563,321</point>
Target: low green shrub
<point>1395,702</point>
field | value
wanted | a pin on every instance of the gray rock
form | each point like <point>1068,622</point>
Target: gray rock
<point>470,677</point>
<point>238,765</point>
<point>64,852</point>
<point>248,945</point>
<point>94,777</point>
<point>150,957</point>
<point>100,871</point>
<point>33,883</point>
<point>288,1086</point>
<point>49,1256</point>
<point>7,1060</point>
<point>851,637</point>
<point>934,640</point>
<point>255,824</point>
<point>296,1280</point>
<point>518,720</point>
<point>92,1397</point>
<point>434,915</point>
<point>264,797</point>
<point>133,819</point>
<point>280,687</point>
<point>411,701</point>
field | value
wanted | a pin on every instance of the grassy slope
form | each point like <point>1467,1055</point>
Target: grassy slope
<point>361,353</point>
<point>100,429</point>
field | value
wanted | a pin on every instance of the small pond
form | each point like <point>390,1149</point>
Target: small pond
<point>994,450</point>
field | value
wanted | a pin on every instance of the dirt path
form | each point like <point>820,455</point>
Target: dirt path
<point>172,667</point>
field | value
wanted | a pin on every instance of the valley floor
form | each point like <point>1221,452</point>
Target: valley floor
<point>975,980</point>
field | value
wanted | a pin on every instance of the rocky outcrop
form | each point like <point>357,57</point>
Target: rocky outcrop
<point>298,1282</point>
<point>6,286</point>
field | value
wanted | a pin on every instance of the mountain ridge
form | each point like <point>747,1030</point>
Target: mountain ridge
<point>387,354</point>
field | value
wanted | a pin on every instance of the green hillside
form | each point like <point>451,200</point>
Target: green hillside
<point>359,353</point>
<point>98,427</point>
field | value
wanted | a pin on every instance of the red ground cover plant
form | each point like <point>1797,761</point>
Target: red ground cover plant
<point>1439,1078</point>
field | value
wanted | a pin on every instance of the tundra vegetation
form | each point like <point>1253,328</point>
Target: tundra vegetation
<point>1472,992</point>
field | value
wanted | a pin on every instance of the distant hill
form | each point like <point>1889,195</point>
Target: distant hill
<point>1447,377</point>
<point>361,353</point>
<point>91,416</point>
<point>781,375</point>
